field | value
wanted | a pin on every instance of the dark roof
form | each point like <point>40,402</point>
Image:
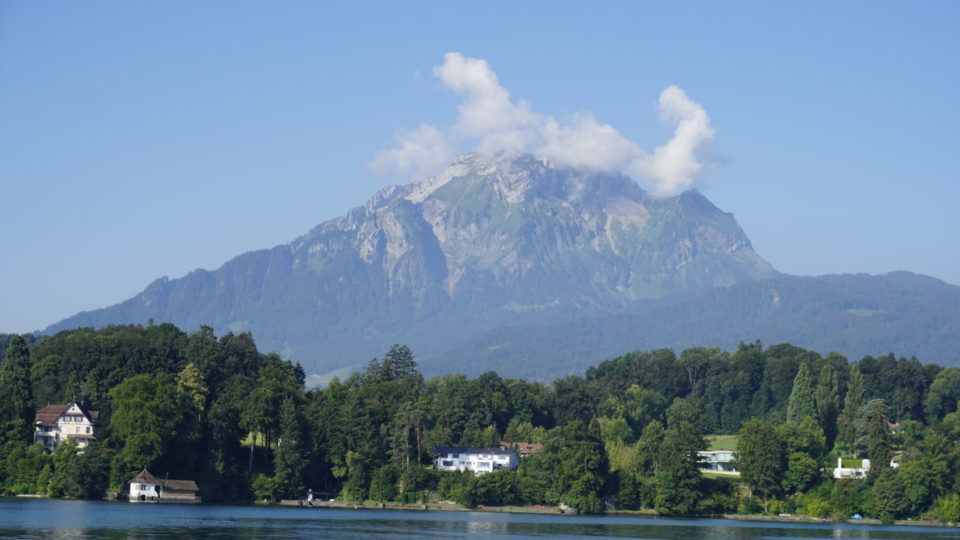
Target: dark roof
<point>144,477</point>
<point>179,485</point>
<point>471,450</point>
<point>47,416</point>
<point>524,448</point>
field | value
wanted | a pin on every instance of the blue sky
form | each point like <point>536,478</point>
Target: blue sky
<point>143,139</point>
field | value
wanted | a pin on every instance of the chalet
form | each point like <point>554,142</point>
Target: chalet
<point>145,487</point>
<point>57,423</point>
<point>477,460</point>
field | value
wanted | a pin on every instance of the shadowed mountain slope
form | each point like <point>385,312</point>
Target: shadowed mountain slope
<point>856,315</point>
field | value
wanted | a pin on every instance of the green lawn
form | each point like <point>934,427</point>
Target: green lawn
<point>850,463</point>
<point>721,442</point>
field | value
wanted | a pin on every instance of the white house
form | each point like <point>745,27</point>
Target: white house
<point>478,460</point>
<point>145,487</point>
<point>57,423</point>
<point>856,472</point>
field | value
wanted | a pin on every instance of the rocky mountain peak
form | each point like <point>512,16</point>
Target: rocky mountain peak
<point>488,241</point>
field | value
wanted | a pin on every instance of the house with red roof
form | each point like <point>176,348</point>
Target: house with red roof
<point>55,424</point>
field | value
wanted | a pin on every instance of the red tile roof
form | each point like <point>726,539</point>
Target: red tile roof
<point>47,416</point>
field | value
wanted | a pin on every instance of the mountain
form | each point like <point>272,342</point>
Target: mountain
<point>490,243</point>
<point>856,315</point>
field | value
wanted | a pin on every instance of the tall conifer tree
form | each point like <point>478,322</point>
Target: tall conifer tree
<point>878,436</point>
<point>802,401</point>
<point>291,458</point>
<point>828,402</point>
<point>851,409</point>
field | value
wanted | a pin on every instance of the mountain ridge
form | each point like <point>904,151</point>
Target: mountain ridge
<point>486,244</point>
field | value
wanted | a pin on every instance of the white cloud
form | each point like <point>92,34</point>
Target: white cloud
<point>675,166</point>
<point>419,152</point>
<point>487,113</point>
<point>586,144</point>
<point>494,123</point>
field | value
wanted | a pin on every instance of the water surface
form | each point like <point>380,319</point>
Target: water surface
<point>42,518</point>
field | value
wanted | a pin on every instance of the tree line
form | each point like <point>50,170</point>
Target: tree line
<point>625,435</point>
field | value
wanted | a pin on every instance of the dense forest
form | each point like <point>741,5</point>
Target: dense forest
<point>623,436</point>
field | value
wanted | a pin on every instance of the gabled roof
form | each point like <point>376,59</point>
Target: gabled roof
<point>47,416</point>
<point>472,450</point>
<point>144,477</point>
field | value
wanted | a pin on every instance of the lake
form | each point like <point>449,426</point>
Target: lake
<point>43,518</point>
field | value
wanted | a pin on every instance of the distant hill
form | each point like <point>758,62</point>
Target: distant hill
<point>486,244</point>
<point>856,315</point>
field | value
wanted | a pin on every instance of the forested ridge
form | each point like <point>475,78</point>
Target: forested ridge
<point>622,436</point>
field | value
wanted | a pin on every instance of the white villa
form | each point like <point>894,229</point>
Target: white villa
<point>57,423</point>
<point>145,487</point>
<point>856,472</point>
<point>478,460</point>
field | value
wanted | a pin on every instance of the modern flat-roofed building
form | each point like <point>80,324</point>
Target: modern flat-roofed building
<point>478,460</point>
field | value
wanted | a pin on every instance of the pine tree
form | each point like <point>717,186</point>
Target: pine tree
<point>406,434</point>
<point>878,436</point>
<point>291,459</point>
<point>828,402</point>
<point>802,401</point>
<point>398,362</point>
<point>851,410</point>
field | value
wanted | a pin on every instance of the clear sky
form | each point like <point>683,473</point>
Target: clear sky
<point>143,139</point>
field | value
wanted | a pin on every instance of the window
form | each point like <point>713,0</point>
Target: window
<point>447,463</point>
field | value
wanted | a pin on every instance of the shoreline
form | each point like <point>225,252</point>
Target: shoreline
<point>554,510</point>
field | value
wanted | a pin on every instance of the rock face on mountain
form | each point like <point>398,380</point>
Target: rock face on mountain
<point>488,243</point>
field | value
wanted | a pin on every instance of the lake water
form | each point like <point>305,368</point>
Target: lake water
<point>41,518</point>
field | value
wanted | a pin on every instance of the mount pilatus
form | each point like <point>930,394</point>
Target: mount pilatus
<point>485,243</point>
<point>488,244</point>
